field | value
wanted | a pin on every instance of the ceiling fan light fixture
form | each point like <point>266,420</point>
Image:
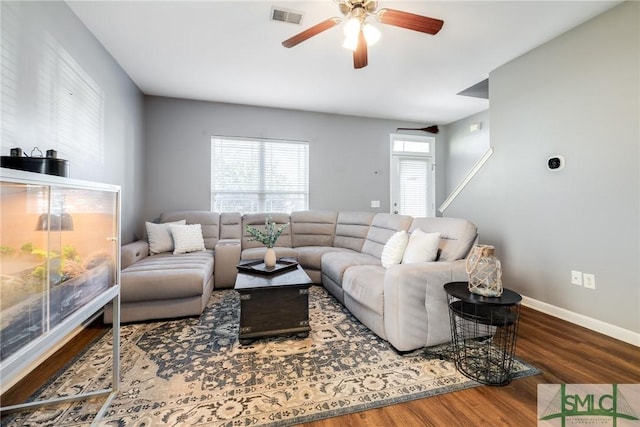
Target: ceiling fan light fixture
<point>371,34</point>
<point>352,28</point>
<point>350,43</point>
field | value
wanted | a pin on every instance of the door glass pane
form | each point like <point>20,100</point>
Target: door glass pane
<point>400,145</point>
<point>413,186</point>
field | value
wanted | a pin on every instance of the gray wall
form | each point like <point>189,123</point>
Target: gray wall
<point>464,148</point>
<point>345,152</point>
<point>577,96</point>
<point>52,64</point>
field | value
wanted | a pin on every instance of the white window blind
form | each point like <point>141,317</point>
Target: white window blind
<point>249,175</point>
<point>413,185</point>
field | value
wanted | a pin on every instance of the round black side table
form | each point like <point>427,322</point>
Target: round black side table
<point>484,331</point>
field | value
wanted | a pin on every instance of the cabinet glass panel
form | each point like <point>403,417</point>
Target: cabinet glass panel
<point>57,252</point>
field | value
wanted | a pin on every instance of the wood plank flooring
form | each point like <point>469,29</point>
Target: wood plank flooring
<point>566,353</point>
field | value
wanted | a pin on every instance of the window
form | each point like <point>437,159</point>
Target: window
<point>256,175</point>
<point>422,145</point>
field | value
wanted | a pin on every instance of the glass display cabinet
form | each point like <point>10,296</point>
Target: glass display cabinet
<point>59,265</point>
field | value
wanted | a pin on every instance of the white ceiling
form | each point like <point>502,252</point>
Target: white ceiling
<point>230,51</point>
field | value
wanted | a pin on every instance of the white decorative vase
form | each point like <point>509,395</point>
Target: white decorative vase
<point>485,271</point>
<point>270,258</point>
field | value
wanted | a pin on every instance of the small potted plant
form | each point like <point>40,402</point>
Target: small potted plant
<point>267,237</point>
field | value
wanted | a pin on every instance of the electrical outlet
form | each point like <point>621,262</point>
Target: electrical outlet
<point>375,203</point>
<point>576,277</point>
<point>589,281</point>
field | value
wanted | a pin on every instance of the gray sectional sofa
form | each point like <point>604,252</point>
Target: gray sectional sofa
<point>404,304</point>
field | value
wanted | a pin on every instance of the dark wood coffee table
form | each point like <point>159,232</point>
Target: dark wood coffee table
<point>273,304</point>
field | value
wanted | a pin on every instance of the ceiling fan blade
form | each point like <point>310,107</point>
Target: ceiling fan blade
<point>360,59</point>
<point>310,32</point>
<point>430,129</point>
<point>410,21</point>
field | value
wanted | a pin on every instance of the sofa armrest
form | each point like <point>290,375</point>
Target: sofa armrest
<point>133,252</point>
<point>227,257</point>
<point>416,311</point>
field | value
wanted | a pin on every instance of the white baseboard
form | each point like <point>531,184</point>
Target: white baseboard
<point>607,329</point>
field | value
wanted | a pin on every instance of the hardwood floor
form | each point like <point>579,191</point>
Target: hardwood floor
<point>566,353</point>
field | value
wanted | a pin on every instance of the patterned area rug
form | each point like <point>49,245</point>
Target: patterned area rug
<point>193,372</point>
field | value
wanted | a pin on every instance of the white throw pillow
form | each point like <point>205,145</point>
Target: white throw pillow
<point>394,249</point>
<point>422,247</point>
<point>159,236</point>
<point>187,238</point>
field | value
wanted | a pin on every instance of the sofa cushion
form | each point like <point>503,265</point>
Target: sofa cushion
<point>311,256</point>
<point>365,284</point>
<point>230,225</point>
<point>456,238</point>
<point>209,221</point>
<point>364,298</point>
<point>167,276</point>
<point>393,250</point>
<point>334,264</point>
<point>384,226</point>
<point>422,247</point>
<point>313,228</point>
<point>352,229</point>
<point>160,237</point>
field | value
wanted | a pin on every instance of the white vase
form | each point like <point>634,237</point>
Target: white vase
<point>485,271</point>
<point>270,258</point>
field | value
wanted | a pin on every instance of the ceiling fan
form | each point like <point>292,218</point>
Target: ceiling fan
<point>431,129</point>
<point>359,34</point>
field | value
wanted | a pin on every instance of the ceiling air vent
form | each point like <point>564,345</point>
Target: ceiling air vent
<point>283,15</point>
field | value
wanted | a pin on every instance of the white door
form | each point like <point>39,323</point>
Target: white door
<point>411,185</point>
